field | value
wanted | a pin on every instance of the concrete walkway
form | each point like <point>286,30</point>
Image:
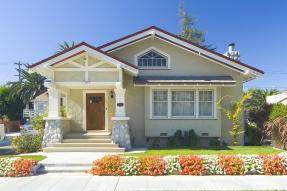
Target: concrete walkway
<point>86,182</point>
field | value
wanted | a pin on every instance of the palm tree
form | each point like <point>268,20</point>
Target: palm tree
<point>65,45</point>
<point>29,85</point>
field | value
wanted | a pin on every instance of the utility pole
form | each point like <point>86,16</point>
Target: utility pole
<point>19,64</point>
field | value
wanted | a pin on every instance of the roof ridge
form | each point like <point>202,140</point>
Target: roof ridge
<point>180,38</point>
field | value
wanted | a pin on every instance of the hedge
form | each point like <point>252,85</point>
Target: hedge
<point>15,167</point>
<point>198,165</point>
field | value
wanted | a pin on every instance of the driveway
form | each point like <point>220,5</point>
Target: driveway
<point>86,182</point>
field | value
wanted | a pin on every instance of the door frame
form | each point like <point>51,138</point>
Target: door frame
<point>85,92</point>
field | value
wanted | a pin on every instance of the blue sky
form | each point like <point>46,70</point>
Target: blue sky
<point>31,30</point>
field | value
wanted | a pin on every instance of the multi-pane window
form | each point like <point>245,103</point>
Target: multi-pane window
<point>183,103</point>
<point>152,59</point>
<point>172,103</point>
<point>205,103</point>
<point>160,102</point>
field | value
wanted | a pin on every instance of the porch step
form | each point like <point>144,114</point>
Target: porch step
<point>87,141</point>
<point>86,136</point>
<point>100,145</point>
<point>84,149</point>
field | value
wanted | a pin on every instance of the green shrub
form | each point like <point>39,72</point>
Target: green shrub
<point>278,111</point>
<point>155,142</point>
<point>214,143</point>
<point>38,123</point>
<point>193,138</point>
<point>253,134</point>
<point>27,143</point>
<point>189,138</point>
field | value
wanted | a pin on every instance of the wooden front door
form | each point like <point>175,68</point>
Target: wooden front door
<point>95,108</point>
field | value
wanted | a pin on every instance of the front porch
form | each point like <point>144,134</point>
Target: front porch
<point>86,109</point>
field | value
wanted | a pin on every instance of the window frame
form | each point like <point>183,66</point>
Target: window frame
<point>196,106</point>
<point>152,103</point>
<point>167,67</point>
<point>194,103</point>
<point>212,104</point>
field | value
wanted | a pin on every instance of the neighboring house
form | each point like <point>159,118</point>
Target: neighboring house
<point>279,98</point>
<point>38,105</point>
<point>147,84</point>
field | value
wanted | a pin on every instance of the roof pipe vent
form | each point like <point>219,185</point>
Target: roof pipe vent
<point>231,53</point>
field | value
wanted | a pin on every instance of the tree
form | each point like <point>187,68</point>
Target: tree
<point>65,45</point>
<point>189,31</point>
<point>233,114</point>
<point>29,85</point>
<point>10,106</point>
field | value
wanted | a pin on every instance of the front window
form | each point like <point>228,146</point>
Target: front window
<point>152,59</point>
<point>174,103</point>
<point>205,103</point>
<point>160,103</point>
<point>182,103</point>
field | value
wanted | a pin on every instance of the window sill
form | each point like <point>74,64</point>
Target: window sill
<point>183,118</point>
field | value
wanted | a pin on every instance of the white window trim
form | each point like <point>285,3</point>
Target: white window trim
<point>213,106</point>
<point>152,68</point>
<point>183,116</point>
<point>152,101</point>
<point>196,90</point>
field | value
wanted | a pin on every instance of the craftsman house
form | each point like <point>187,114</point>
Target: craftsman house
<point>144,85</point>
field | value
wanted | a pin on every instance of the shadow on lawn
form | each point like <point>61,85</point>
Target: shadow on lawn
<point>221,148</point>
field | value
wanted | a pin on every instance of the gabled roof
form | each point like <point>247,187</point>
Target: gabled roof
<point>81,48</point>
<point>154,31</point>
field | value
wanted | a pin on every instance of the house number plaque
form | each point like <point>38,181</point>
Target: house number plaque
<point>120,104</point>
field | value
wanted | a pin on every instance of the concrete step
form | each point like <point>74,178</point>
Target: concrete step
<point>112,145</point>
<point>65,168</point>
<point>84,149</point>
<point>86,141</point>
<point>86,136</point>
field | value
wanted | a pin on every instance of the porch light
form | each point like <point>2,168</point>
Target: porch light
<point>111,94</point>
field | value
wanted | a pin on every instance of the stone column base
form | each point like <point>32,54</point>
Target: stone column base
<point>121,133</point>
<point>53,132</point>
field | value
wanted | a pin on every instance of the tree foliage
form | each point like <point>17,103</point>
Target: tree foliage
<point>257,112</point>
<point>276,130</point>
<point>189,31</point>
<point>233,113</point>
<point>65,45</point>
<point>29,85</point>
<point>10,106</point>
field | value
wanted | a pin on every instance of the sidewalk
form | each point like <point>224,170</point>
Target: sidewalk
<point>86,182</point>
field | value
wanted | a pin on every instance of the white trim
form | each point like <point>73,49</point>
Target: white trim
<point>185,85</point>
<point>89,51</point>
<point>86,69</point>
<point>192,88</point>
<point>154,31</point>
<point>85,92</point>
<point>152,68</point>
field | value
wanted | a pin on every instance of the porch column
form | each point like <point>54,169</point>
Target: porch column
<point>120,131</point>
<point>54,125</point>
<point>54,102</point>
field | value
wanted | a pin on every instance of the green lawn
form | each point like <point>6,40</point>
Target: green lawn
<point>209,151</point>
<point>34,157</point>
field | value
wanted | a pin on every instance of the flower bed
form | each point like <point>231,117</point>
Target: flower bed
<point>198,165</point>
<point>16,167</point>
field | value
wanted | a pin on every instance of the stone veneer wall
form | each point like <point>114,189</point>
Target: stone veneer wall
<point>53,132</point>
<point>121,134</point>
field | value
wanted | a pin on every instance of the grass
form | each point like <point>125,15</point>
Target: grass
<point>209,151</point>
<point>34,157</point>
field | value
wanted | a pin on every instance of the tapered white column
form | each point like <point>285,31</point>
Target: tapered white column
<point>120,102</point>
<point>54,102</point>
